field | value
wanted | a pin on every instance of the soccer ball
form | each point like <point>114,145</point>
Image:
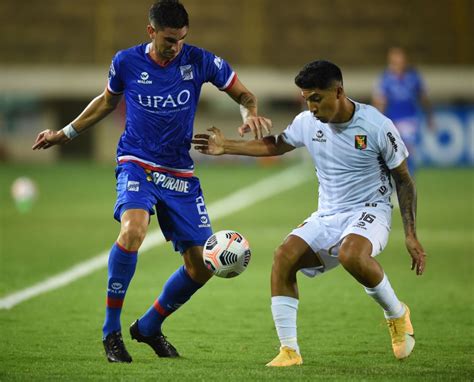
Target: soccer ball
<point>226,254</point>
<point>24,193</point>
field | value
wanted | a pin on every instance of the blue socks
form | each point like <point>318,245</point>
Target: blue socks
<point>177,290</point>
<point>122,264</point>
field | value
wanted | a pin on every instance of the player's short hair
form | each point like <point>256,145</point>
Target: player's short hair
<point>318,74</point>
<point>168,14</point>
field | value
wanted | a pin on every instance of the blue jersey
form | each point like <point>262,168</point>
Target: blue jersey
<point>161,103</point>
<point>402,94</point>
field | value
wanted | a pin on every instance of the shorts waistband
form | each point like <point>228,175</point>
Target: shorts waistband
<point>182,173</point>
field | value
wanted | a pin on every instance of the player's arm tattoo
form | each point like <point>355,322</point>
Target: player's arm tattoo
<point>248,105</point>
<point>406,192</point>
<point>248,100</point>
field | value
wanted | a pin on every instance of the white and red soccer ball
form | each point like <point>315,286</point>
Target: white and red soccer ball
<point>226,253</point>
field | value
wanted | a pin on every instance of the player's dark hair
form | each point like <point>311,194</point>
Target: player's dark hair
<point>318,74</point>
<point>168,14</point>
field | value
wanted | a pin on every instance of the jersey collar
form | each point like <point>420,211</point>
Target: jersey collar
<point>148,56</point>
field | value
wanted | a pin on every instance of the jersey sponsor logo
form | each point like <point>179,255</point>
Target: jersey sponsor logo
<point>165,101</point>
<point>319,137</point>
<point>384,170</point>
<point>393,141</point>
<point>133,185</point>
<point>218,62</point>
<point>170,183</point>
<point>186,72</point>
<point>360,142</point>
<point>144,79</point>
<point>116,288</point>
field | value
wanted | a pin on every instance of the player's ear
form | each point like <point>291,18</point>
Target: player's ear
<point>151,31</point>
<point>339,92</point>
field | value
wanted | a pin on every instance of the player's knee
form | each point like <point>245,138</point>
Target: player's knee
<point>284,257</point>
<point>353,252</point>
<point>132,235</point>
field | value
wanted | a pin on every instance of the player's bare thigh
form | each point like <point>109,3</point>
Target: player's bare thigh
<point>355,256</point>
<point>297,254</point>
<point>133,228</point>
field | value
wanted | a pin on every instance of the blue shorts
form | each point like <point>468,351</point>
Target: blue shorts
<point>179,203</point>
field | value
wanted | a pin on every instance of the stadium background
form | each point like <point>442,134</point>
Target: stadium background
<point>54,57</point>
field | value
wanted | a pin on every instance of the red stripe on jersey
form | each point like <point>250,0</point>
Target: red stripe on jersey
<point>231,83</point>
<point>160,309</point>
<point>159,169</point>
<point>114,302</point>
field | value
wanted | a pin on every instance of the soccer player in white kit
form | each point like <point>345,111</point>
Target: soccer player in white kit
<point>355,150</point>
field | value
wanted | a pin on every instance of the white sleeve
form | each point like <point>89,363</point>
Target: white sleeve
<point>392,147</point>
<point>293,134</point>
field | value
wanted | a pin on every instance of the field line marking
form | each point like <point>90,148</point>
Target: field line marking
<point>245,197</point>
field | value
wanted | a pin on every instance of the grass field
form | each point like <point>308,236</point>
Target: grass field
<point>226,331</point>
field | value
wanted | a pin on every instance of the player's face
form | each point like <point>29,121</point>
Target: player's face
<point>323,104</point>
<point>397,60</point>
<point>167,42</point>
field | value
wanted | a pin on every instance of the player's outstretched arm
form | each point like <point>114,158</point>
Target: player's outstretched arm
<point>216,144</point>
<point>97,109</point>
<point>252,122</point>
<point>407,200</point>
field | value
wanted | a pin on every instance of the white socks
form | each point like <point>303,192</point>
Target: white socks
<point>384,295</point>
<point>284,310</point>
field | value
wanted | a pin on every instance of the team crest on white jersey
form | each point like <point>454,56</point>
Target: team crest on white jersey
<point>360,142</point>
<point>186,72</point>
<point>144,79</point>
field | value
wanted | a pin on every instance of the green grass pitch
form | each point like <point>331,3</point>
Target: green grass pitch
<point>226,331</point>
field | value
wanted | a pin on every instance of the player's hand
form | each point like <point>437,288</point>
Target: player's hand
<point>417,253</point>
<point>48,138</point>
<point>259,126</point>
<point>210,144</point>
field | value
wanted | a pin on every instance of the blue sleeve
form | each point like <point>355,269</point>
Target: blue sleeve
<point>115,84</point>
<point>218,71</point>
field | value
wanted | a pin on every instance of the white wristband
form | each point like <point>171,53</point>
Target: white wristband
<point>70,132</point>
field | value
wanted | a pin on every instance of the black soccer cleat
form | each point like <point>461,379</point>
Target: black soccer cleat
<point>158,342</point>
<point>115,348</point>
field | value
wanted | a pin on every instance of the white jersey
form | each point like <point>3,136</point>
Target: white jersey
<point>353,159</point>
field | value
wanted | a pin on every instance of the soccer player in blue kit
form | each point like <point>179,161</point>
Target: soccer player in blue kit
<point>161,82</point>
<point>401,95</point>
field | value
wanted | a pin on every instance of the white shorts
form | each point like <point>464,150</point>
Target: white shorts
<point>324,234</point>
